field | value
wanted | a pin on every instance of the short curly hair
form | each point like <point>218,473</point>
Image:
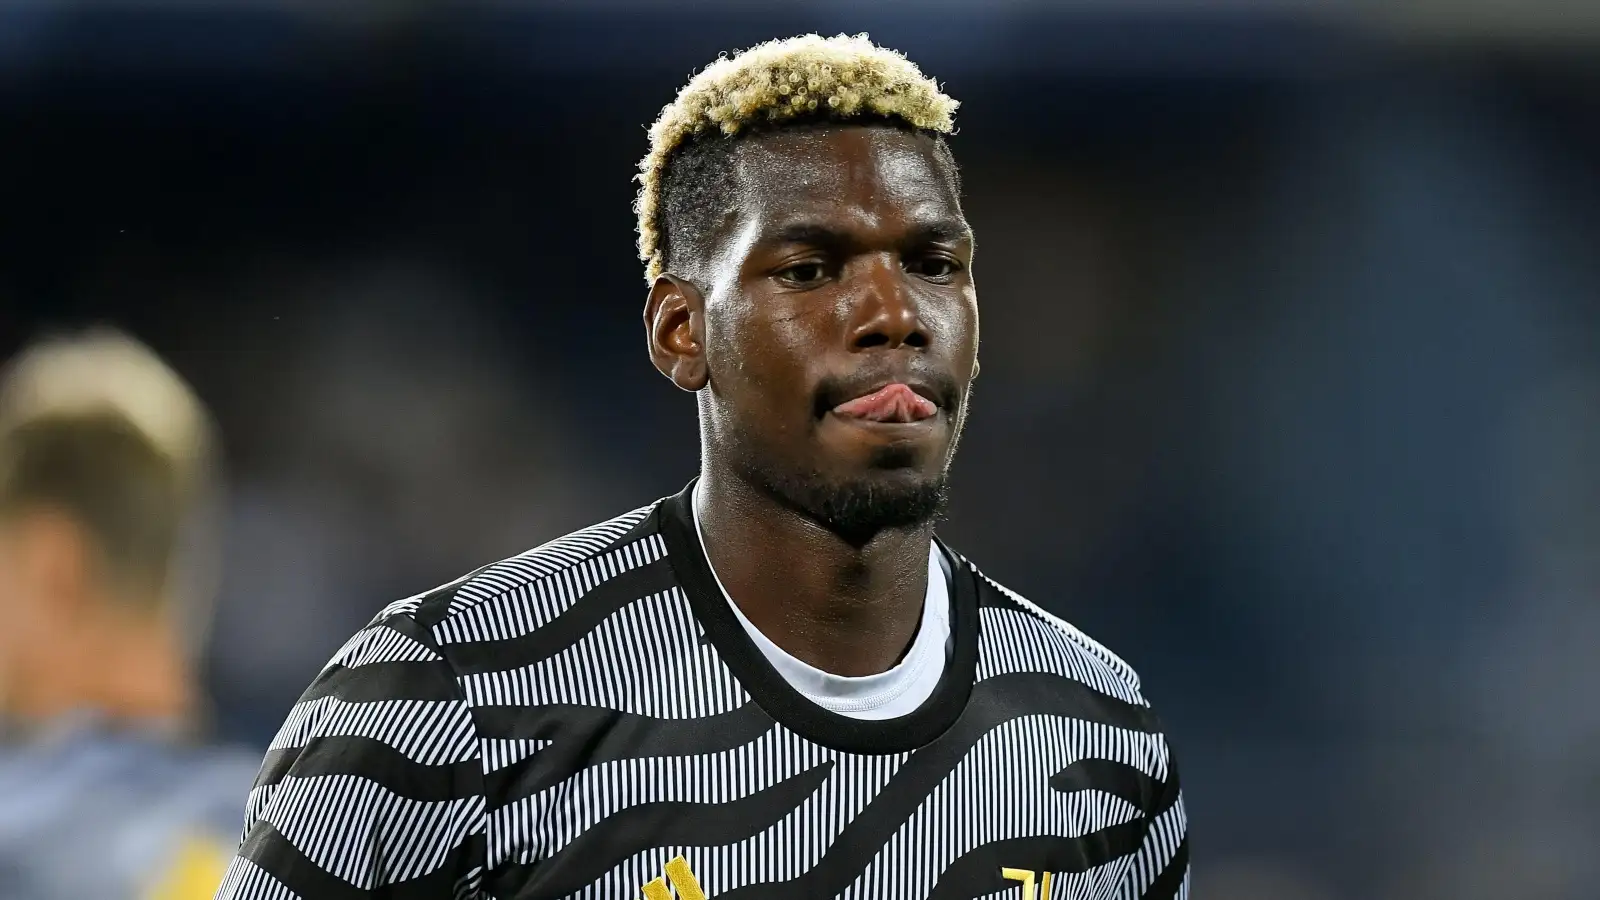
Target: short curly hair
<point>783,83</point>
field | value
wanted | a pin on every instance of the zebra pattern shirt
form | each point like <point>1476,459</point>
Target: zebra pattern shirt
<point>590,720</point>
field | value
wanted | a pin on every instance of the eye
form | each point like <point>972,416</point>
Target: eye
<point>805,274</point>
<point>934,268</point>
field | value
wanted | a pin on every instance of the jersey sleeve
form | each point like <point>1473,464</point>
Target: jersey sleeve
<point>1160,868</point>
<point>373,787</point>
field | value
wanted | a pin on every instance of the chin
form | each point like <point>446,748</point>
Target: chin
<point>856,488</point>
<point>885,501</point>
<point>896,461</point>
<point>858,505</point>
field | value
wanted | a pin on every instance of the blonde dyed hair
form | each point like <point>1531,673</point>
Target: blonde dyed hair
<point>105,372</point>
<point>98,426</point>
<point>800,78</point>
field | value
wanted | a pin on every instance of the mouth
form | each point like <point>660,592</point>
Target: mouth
<point>895,403</point>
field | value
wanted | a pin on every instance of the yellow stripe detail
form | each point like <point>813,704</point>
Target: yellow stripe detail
<point>1044,888</point>
<point>683,880</point>
<point>657,890</point>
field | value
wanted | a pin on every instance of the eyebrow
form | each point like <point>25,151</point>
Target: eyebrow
<point>806,233</point>
<point>943,231</point>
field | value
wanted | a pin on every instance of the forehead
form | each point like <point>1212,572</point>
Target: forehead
<point>849,177</point>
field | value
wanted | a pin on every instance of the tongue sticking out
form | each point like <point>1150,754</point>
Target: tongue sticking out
<point>895,403</point>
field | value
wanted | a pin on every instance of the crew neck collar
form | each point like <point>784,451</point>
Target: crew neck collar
<point>792,709</point>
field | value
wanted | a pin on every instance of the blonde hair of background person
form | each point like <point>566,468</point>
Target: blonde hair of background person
<point>106,481</point>
<point>105,458</point>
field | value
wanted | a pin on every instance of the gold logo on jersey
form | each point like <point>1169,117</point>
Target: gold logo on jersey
<point>683,881</point>
<point>1028,878</point>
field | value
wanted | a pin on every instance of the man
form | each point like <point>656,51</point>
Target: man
<point>103,457</point>
<point>777,683</point>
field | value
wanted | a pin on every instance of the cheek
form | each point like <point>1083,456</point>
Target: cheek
<point>974,318</point>
<point>12,610</point>
<point>761,344</point>
<point>957,325</point>
<point>9,586</point>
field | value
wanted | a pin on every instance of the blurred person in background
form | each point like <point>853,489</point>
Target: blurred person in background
<point>778,682</point>
<point>105,476</point>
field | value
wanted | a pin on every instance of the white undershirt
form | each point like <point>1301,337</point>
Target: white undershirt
<point>887,695</point>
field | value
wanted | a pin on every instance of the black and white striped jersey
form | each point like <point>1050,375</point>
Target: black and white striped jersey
<point>589,719</point>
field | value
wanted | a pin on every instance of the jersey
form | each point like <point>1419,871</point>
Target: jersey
<point>93,812</point>
<point>590,720</point>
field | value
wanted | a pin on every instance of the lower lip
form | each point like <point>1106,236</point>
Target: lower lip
<point>888,429</point>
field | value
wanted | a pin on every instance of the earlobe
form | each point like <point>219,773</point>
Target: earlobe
<point>674,321</point>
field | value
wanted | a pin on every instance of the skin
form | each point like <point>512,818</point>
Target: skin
<point>74,641</point>
<point>844,265</point>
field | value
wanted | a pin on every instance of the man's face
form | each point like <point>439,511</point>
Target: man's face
<point>841,325</point>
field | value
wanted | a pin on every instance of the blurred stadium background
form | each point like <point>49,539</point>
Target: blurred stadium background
<point>1291,339</point>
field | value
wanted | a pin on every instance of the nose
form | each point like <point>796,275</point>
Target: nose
<point>886,314</point>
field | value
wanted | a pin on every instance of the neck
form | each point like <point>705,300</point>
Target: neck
<point>845,609</point>
<point>130,673</point>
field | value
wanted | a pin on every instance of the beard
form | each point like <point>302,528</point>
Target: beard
<point>890,495</point>
<point>859,509</point>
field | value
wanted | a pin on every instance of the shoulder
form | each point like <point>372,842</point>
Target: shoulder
<point>408,665</point>
<point>1016,632</point>
<point>517,595</point>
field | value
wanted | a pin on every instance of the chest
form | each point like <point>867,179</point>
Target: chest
<point>1028,807</point>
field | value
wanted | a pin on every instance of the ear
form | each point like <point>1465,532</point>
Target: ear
<point>674,324</point>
